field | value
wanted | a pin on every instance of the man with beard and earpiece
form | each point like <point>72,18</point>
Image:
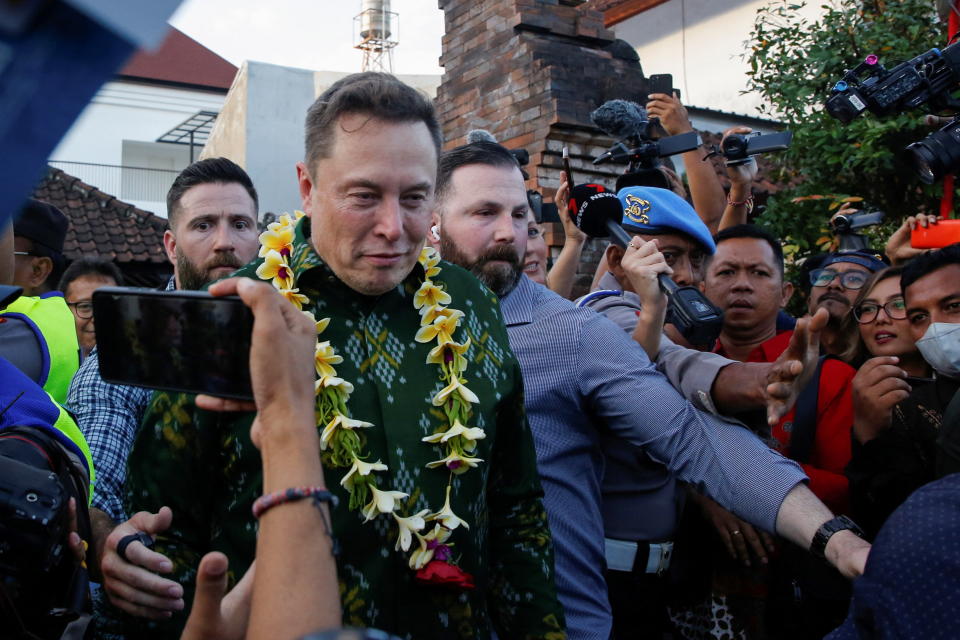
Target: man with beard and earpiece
<point>919,439</point>
<point>212,208</point>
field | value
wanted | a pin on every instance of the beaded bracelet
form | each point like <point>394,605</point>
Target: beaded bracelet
<point>318,495</point>
<point>747,202</point>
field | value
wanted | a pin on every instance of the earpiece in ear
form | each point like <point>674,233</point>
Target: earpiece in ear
<point>435,231</point>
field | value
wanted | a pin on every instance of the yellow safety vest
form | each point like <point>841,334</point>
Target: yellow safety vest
<point>56,331</point>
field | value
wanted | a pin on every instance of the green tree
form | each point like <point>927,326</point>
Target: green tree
<point>794,63</point>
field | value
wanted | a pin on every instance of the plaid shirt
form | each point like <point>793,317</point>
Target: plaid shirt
<point>109,416</point>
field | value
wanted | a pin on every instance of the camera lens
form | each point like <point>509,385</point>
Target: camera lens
<point>938,154</point>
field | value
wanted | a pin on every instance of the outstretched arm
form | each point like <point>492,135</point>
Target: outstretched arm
<point>564,270</point>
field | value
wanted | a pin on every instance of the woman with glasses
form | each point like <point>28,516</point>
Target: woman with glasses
<point>878,326</point>
<point>880,331</point>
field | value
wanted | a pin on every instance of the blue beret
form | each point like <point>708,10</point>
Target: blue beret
<point>649,210</point>
<point>866,258</point>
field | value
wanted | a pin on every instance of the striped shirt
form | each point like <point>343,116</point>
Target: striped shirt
<point>584,376</point>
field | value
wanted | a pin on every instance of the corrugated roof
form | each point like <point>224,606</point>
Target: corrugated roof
<point>181,60</point>
<point>100,224</point>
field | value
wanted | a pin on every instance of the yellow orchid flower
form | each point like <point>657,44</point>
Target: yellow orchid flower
<point>295,297</point>
<point>322,325</point>
<point>382,502</point>
<point>407,527</point>
<point>283,221</point>
<point>456,463</point>
<point>333,382</point>
<point>279,238</point>
<point>429,257</point>
<point>428,315</point>
<point>339,421</point>
<point>297,214</point>
<point>450,352</point>
<point>324,358</point>
<point>360,468</point>
<point>442,328</point>
<point>275,268</point>
<point>455,386</point>
<point>430,295</point>
<point>447,517</point>
<point>469,434</point>
<point>428,546</point>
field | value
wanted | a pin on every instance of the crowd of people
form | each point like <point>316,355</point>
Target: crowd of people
<point>444,445</point>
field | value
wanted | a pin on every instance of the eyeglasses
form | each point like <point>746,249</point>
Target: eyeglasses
<point>23,253</point>
<point>83,309</point>
<point>848,279</point>
<point>867,312</point>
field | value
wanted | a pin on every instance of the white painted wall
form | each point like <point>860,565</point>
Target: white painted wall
<point>120,127</point>
<point>701,43</point>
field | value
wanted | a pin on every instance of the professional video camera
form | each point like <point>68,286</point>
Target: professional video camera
<point>738,148</point>
<point>929,79</point>
<point>845,226</point>
<point>638,144</point>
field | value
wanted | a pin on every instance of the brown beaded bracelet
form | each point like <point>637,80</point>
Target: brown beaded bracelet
<point>317,495</point>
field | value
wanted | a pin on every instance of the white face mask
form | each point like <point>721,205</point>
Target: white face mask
<point>940,347</point>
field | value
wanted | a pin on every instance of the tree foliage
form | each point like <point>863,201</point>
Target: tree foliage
<point>794,62</point>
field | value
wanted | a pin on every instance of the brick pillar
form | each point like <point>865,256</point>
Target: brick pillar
<point>530,72</point>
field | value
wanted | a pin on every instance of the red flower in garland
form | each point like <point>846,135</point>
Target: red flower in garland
<point>444,574</point>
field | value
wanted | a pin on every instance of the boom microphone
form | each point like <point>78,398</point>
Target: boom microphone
<point>480,135</point>
<point>598,212</point>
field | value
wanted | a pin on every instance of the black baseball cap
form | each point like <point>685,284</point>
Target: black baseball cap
<point>42,223</point>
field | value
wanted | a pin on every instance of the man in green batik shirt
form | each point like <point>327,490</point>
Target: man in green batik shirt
<point>367,183</point>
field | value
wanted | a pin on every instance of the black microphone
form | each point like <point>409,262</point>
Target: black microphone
<point>598,212</point>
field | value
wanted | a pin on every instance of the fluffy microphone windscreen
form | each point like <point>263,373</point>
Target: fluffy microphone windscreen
<point>591,206</point>
<point>619,118</point>
<point>479,135</point>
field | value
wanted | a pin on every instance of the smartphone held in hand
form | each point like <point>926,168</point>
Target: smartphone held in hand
<point>186,341</point>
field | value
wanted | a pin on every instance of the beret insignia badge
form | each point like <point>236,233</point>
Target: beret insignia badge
<point>637,209</point>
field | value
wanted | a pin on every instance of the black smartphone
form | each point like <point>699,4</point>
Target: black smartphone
<point>661,83</point>
<point>186,341</point>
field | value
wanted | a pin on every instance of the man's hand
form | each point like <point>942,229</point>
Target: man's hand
<point>877,387</point>
<point>643,263</point>
<point>740,538</point>
<point>848,553</point>
<point>744,174</point>
<point>792,371</point>
<point>133,584</point>
<point>673,115</point>
<point>562,199</point>
<point>215,616</point>
<point>281,358</point>
<point>898,247</point>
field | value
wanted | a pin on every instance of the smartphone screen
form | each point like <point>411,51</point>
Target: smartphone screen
<point>184,341</point>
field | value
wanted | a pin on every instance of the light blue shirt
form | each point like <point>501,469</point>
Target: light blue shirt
<point>583,376</point>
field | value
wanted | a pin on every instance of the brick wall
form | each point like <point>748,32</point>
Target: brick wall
<point>530,72</point>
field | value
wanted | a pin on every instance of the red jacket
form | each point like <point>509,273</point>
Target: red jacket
<point>831,448</point>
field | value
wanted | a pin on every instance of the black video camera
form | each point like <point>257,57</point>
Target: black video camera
<point>738,148</point>
<point>638,145</point>
<point>845,226</point>
<point>929,79</point>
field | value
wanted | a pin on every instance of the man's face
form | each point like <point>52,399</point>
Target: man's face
<point>535,262</point>
<point>215,233</point>
<point>743,279</point>
<point>79,297</point>
<point>483,224</point>
<point>369,202</point>
<point>685,256</point>
<point>834,296</point>
<point>934,298</point>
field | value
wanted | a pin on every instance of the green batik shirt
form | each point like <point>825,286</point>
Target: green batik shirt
<point>203,465</point>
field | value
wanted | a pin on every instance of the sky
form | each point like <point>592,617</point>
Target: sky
<point>311,34</point>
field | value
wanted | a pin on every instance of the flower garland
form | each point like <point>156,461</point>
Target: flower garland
<point>342,441</point>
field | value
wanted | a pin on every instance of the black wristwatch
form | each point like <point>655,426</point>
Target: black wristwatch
<point>826,531</point>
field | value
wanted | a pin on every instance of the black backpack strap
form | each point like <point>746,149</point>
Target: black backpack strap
<point>804,430</point>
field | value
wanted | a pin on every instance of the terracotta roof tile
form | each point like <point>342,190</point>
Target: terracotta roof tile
<point>102,225</point>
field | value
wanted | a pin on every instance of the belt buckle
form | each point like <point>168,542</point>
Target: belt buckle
<point>664,551</point>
